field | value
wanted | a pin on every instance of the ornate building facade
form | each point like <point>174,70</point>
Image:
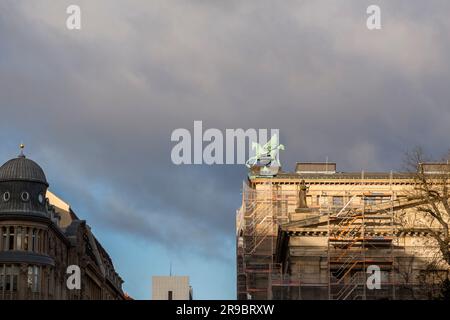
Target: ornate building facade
<point>40,237</point>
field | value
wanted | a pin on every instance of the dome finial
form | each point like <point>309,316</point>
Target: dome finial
<point>22,146</point>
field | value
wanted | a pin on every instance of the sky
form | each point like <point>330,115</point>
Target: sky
<point>96,108</point>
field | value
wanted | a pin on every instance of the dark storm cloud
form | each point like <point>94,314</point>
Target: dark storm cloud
<point>97,107</point>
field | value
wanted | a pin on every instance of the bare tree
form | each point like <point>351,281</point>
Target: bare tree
<point>431,193</point>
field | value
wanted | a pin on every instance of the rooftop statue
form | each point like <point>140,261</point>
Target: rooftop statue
<point>266,155</point>
<point>303,190</point>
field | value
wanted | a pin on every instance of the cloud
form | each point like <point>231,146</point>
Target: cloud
<point>97,107</point>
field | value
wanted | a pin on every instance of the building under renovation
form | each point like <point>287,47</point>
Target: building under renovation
<point>316,233</point>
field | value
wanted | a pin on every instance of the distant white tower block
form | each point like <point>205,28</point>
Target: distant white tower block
<point>171,288</point>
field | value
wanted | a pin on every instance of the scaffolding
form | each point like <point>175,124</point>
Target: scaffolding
<point>360,232</point>
<point>258,219</point>
<point>360,237</point>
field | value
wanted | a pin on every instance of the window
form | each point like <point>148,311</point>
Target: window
<point>41,198</point>
<point>38,241</point>
<point>170,295</point>
<point>30,278</point>
<point>8,278</point>
<point>338,201</point>
<point>370,200</point>
<point>33,240</point>
<point>19,238</point>
<point>323,200</point>
<point>5,238</point>
<point>25,239</point>
<point>2,278</point>
<point>6,196</point>
<point>33,280</point>
<point>11,238</point>
<point>25,196</point>
<point>14,278</point>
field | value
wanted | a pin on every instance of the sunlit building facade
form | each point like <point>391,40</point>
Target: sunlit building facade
<point>40,237</point>
<point>314,234</point>
<point>171,288</point>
